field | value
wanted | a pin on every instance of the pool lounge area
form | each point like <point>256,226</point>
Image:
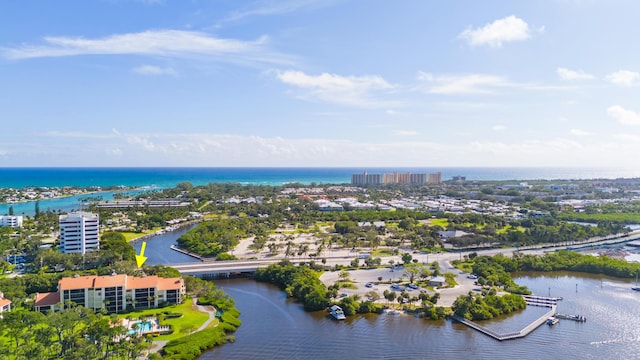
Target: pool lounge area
<point>142,327</point>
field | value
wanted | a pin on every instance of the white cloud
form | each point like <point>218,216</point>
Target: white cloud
<point>214,149</point>
<point>624,116</point>
<point>114,151</point>
<point>463,84</point>
<point>165,43</point>
<point>405,133</point>
<point>578,132</point>
<point>267,8</point>
<point>510,28</point>
<point>566,74</point>
<point>346,90</point>
<point>623,78</point>
<point>499,128</point>
<point>152,70</point>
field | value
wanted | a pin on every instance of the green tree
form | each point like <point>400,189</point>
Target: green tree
<point>406,258</point>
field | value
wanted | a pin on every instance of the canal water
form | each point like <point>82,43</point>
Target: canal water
<point>275,327</point>
<point>158,249</point>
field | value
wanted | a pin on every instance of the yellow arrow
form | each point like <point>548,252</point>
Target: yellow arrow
<point>140,259</point>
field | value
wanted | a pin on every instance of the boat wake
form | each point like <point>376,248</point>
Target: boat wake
<point>615,341</point>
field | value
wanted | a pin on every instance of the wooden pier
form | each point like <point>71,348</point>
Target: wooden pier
<point>509,336</point>
<point>182,251</point>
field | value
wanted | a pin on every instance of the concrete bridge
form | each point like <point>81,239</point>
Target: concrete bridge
<point>224,269</point>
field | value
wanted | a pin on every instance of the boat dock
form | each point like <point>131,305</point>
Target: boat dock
<point>543,301</point>
<point>182,251</point>
<point>509,336</point>
<point>578,318</point>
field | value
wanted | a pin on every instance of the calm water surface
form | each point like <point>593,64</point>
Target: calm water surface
<point>274,327</point>
<point>158,248</point>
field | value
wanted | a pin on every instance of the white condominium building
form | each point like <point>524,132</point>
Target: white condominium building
<point>11,220</point>
<point>79,232</point>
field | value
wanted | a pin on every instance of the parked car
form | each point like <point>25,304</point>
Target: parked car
<point>369,285</point>
<point>413,286</point>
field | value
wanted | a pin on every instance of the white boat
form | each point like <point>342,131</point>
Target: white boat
<point>552,321</point>
<point>337,313</point>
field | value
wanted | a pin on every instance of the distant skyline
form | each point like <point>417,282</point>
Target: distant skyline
<point>319,83</point>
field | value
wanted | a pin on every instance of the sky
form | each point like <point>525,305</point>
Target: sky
<point>305,83</point>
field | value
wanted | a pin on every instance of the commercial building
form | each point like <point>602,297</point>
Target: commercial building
<point>79,233</point>
<point>115,293</point>
<point>14,221</point>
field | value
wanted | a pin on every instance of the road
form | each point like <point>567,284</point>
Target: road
<point>362,277</point>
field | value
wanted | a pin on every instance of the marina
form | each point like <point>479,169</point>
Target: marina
<point>512,335</point>
<point>611,330</point>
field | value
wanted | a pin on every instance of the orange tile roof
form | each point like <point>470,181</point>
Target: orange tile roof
<point>128,282</point>
<point>109,281</point>
<point>4,302</point>
<point>72,283</point>
<point>45,299</point>
<point>170,283</point>
<point>142,282</point>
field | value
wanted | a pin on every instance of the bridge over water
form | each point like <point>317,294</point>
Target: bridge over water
<point>223,269</point>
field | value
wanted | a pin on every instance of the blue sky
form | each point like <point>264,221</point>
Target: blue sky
<point>319,83</point>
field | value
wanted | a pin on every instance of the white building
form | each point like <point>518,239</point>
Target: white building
<point>11,220</point>
<point>79,233</point>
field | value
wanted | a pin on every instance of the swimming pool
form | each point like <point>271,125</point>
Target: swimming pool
<point>143,327</point>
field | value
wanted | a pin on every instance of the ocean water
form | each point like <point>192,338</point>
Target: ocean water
<point>159,178</point>
<point>169,177</point>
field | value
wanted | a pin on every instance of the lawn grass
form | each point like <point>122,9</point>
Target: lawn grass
<point>509,227</point>
<point>382,252</point>
<point>191,319</point>
<point>439,222</point>
<point>203,205</point>
<point>130,236</point>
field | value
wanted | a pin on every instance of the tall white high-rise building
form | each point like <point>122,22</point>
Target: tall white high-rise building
<point>79,233</point>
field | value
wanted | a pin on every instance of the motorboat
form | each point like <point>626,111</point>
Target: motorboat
<point>337,313</point>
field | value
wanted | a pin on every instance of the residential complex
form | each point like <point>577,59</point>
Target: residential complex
<point>366,179</point>
<point>435,178</point>
<point>11,220</point>
<point>396,178</point>
<point>79,233</point>
<point>115,293</point>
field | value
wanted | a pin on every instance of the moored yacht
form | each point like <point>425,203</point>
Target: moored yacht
<point>337,313</point>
